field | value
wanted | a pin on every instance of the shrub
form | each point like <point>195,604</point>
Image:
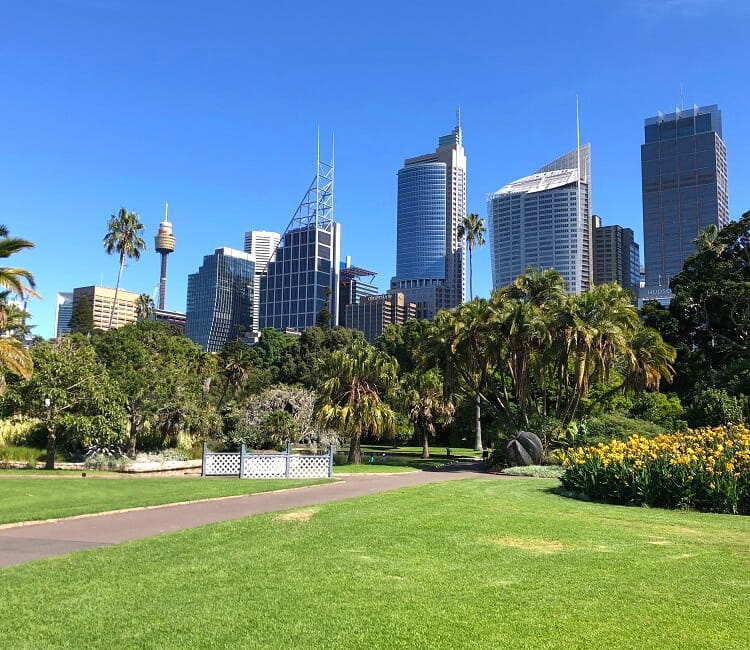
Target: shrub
<point>537,471</point>
<point>713,407</point>
<point>17,430</point>
<point>615,426</point>
<point>16,454</point>
<point>703,469</point>
<point>663,410</point>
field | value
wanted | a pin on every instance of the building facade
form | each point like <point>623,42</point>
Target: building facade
<point>175,318</point>
<point>101,300</point>
<point>63,312</point>
<point>430,268</point>
<point>261,244</point>
<point>354,284</point>
<point>684,183</point>
<point>616,256</point>
<point>372,314</point>
<point>220,299</point>
<point>544,221</point>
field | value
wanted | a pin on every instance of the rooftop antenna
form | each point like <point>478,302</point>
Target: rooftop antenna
<point>166,212</point>
<point>458,116</point>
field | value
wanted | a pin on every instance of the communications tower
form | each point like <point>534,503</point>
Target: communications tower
<point>164,245</point>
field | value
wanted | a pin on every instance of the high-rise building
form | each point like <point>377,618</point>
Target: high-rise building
<point>430,269</point>
<point>164,244</point>
<point>303,277</point>
<point>372,314</point>
<point>684,176</point>
<point>355,283</point>
<point>101,300</point>
<point>616,256</point>
<point>175,318</point>
<point>544,221</point>
<point>63,312</point>
<point>261,244</point>
<point>220,299</point>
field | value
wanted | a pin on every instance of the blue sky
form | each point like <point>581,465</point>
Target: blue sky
<point>214,106</point>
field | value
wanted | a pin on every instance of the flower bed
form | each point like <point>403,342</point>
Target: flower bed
<point>703,469</point>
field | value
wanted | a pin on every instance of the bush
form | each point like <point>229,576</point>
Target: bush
<point>537,471</point>
<point>703,469</point>
<point>663,410</point>
<point>16,454</point>
<point>714,407</point>
<point>615,426</point>
<point>17,430</point>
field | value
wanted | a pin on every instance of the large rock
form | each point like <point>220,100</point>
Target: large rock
<point>525,448</point>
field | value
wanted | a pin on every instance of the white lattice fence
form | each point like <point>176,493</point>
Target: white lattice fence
<point>253,465</point>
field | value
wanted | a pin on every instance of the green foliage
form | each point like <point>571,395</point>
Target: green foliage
<point>18,454</point>
<point>82,317</point>
<point>16,430</point>
<point>536,471</point>
<point>614,426</point>
<point>663,410</point>
<point>713,407</point>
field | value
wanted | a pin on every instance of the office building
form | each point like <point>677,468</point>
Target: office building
<point>430,269</point>
<point>302,279</point>
<point>175,318</point>
<point>544,221</point>
<point>63,312</point>
<point>372,314</point>
<point>616,256</point>
<point>355,282</point>
<point>261,244</point>
<point>684,177</point>
<point>101,300</point>
<point>220,299</point>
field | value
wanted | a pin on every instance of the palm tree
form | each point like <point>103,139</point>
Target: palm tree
<point>426,404</point>
<point>144,306</point>
<point>123,237</point>
<point>355,382</point>
<point>18,281</point>
<point>472,230</point>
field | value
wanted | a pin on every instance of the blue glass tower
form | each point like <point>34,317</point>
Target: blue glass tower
<point>220,299</point>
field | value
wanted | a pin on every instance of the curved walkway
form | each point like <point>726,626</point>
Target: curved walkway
<point>35,541</point>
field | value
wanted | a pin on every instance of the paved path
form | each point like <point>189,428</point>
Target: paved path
<point>26,543</point>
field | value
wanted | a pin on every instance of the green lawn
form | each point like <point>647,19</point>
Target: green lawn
<point>465,564</point>
<point>392,464</point>
<point>28,499</point>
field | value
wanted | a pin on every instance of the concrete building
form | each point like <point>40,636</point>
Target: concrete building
<point>616,256</point>
<point>544,221</point>
<point>261,244</point>
<point>63,312</point>
<point>430,268</point>
<point>372,314</point>
<point>220,299</point>
<point>101,300</point>
<point>175,318</point>
<point>684,183</point>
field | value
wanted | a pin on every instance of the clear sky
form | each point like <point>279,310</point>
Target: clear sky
<point>213,106</point>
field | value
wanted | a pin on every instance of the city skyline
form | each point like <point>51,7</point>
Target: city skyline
<point>214,123</point>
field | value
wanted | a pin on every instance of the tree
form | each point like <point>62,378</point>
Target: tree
<point>235,366</point>
<point>355,383</point>
<point>472,229</point>
<point>18,281</point>
<point>124,238</point>
<point>426,404</point>
<point>144,306</point>
<point>82,317</point>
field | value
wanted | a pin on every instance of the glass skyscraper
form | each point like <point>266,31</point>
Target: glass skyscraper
<point>684,176</point>
<point>616,256</point>
<point>430,268</point>
<point>220,299</point>
<point>544,221</point>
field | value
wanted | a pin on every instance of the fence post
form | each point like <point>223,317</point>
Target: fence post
<point>203,458</point>
<point>330,461</point>
<point>242,460</point>
<point>288,458</point>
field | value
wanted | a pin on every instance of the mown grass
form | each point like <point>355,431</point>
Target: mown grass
<point>30,499</point>
<point>392,463</point>
<point>465,564</point>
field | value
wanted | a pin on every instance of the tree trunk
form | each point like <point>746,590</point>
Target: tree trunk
<point>117,290</point>
<point>134,426</point>
<point>355,452</point>
<point>49,462</point>
<point>471,277</point>
<point>478,424</point>
<point>425,443</point>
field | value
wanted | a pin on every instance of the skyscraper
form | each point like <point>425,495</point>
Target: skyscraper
<point>684,175</point>
<point>63,312</point>
<point>261,244</point>
<point>101,300</point>
<point>616,256</point>
<point>430,268</point>
<point>372,314</point>
<point>220,299</point>
<point>544,221</point>
<point>303,277</point>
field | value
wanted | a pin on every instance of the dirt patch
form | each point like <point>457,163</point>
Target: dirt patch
<point>659,542</point>
<point>534,545</point>
<point>301,516</point>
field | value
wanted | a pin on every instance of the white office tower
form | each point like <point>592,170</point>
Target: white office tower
<point>262,245</point>
<point>63,312</point>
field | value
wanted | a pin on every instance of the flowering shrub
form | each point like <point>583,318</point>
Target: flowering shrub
<point>703,469</point>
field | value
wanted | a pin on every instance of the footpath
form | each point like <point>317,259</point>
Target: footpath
<point>36,541</point>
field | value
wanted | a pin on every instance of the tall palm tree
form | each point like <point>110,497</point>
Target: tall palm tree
<point>472,230</point>
<point>426,404</point>
<point>124,238</point>
<point>355,381</point>
<point>18,281</point>
<point>144,306</point>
